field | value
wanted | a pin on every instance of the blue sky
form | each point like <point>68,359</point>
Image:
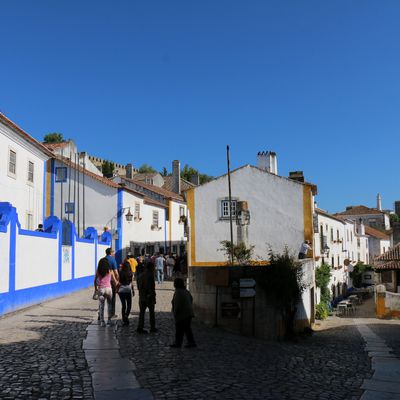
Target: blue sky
<point>152,81</point>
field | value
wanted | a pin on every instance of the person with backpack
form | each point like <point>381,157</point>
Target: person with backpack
<point>147,295</point>
<point>125,291</point>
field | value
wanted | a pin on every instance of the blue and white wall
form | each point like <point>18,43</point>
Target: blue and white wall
<point>36,266</point>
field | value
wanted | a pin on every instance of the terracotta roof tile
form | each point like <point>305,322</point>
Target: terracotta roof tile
<point>25,135</point>
<point>376,233</point>
<point>163,192</point>
<point>360,210</point>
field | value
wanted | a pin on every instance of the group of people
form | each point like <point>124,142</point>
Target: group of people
<point>169,266</point>
<point>111,279</point>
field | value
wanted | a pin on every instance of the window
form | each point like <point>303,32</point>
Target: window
<point>333,261</point>
<point>225,208</point>
<point>338,260</point>
<point>337,235</point>
<point>29,221</point>
<point>31,167</point>
<point>331,234</point>
<point>181,211</point>
<point>12,162</point>
<point>137,211</point>
<point>69,208</point>
<point>358,242</point>
<point>61,174</point>
<point>155,219</point>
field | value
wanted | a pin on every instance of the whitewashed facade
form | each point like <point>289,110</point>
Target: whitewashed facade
<point>341,244</point>
<point>280,214</point>
<point>22,173</point>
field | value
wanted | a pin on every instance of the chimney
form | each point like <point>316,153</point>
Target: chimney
<point>176,176</point>
<point>379,202</point>
<point>296,176</point>
<point>129,171</point>
<point>195,179</point>
<point>266,160</point>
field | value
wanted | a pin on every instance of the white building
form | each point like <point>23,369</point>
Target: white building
<point>22,173</point>
<point>171,217</point>
<point>269,212</point>
<point>280,210</point>
<point>341,244</point>
<point>373,217</point>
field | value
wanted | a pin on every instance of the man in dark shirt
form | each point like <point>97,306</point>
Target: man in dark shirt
<point>114,270</point>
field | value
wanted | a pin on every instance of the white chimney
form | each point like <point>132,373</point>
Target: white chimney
<point>267,161</point>
<point>379,202</point>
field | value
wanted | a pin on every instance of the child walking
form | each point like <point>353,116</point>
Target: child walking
<point>102,285</point>
<point>183,314</point>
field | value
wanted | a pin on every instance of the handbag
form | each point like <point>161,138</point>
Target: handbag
<point>95,295</point>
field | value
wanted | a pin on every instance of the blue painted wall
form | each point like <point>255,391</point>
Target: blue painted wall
<point>16,299</point>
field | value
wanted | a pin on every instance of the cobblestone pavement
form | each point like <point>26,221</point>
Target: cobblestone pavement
<point>42,358</point>
<point>329,365</point>
<point>41,350</point>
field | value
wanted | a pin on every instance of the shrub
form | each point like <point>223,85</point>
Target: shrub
<point>322,277</point>
<point>321,311</point>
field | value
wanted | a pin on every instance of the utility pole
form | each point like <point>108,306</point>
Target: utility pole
<point>230,201</point>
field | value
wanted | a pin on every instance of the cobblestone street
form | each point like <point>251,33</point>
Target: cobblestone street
<point>42,357</point>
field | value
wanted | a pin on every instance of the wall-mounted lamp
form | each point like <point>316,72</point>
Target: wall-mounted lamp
<point>129,215</point>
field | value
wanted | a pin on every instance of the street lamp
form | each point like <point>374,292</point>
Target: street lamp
<point>128,215</point>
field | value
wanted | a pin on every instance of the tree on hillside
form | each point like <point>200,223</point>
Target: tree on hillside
<point>53,137</point>
<point>107,169</point>
<point>146,169</point>
<point>164,172</point>
<point>189,171</point>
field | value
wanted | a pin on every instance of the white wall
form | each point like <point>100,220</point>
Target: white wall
<point>100,202</point>
<point>4,260</point>
<point>84,259</point>
<point>176,233</point>
<point>36,261</point>
<point>66,266</point>
<point>276,209</point>
<point>140,231</point>
<point>27,197</point>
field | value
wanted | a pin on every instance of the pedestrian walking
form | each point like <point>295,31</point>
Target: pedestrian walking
<point>183,313</point>
<point>132,262</point>
<point>102,285</point>
<point>305,246</point>
<point>170,265</point>
<point>147,296</point>
<point>160,264</point>
<point>125,291</point>
<point>114,269</point>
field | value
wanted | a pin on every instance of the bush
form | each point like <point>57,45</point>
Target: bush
<point>321,311</point>
<point>322,277</point>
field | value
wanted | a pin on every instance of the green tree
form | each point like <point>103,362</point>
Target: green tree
<point>187,172</point>
<point>146,169</point>
<point>241,253</point>
<point>164,172</point>
<point>282,281</point>
<point>357,274</point>
<point>322,277</point>
<point>394,218</point>
<point>107,169</point>
<point>53,137</point>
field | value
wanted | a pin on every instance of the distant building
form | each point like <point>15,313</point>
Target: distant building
<point>373,217</point>
<point>119,169</point>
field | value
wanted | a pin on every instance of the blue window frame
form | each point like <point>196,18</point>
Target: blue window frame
<point>69,208</point>
<point>61,174</point>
